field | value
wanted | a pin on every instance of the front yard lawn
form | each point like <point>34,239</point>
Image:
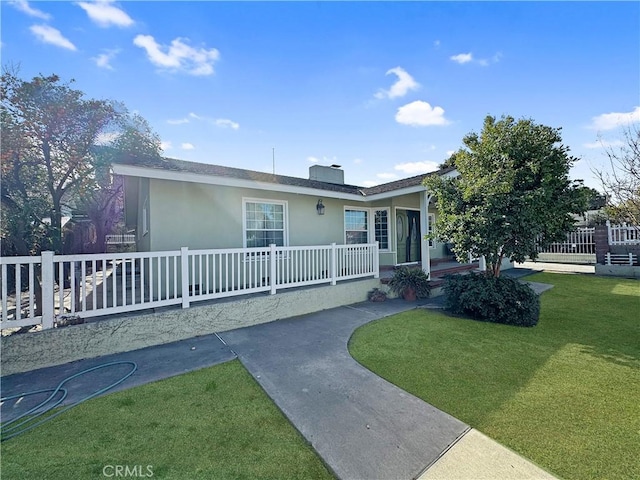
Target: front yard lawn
<point>214,423</point>
<point>564,394</point>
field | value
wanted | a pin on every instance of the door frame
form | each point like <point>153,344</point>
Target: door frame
<point>395,237</point>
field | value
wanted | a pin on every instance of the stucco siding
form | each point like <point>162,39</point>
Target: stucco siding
<point>201,216</point>
<point>206,216</point>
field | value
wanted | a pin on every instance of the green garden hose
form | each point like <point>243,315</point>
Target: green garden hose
<point>15,427</point>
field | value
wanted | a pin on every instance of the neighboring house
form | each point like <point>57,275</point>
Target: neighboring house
<point>175,203</point>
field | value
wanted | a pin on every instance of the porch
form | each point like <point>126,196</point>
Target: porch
<point>50,290</point>
<point>439,268</point>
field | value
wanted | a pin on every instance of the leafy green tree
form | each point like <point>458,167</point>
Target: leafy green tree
<point>22,208</point>
<point>513,193</point>
<point>57,148</point>
<point>53,130</point>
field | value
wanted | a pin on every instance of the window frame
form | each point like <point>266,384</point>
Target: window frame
<point>371,225</point>
<point>431,230</point>
<point>344,223</point>
<point>388,211</point>
<point>285,219</point>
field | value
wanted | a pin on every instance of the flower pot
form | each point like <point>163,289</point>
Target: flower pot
<point>409,294</point>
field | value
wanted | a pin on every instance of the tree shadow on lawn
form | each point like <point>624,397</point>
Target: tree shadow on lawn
<point>569,371</point>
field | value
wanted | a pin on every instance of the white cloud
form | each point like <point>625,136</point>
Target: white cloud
<point>416,168</point>
<point>179,56</point>
<point>450,152</point>
<point>604,144</point>
<point>462,58</point>
<point>386,176</point>
<point>313,159</point>
<point>357,161</point>
<point>178,121</point>
<point>48,34</point>
<point>370,183</point>
<point>420,114</point>
<point>187,146</point>
<point>436,43</point>
<point>609,121</point>
<point>226,123</point>
<point>165,145</point>
<point>402,86</point>
<point>197,117</point>
<point>103,60</point>
<point>105,14</point>
<point>24,7</point>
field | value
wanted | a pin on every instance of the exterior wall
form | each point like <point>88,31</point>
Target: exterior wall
<point>22,353</point>
<point>207,216</point>
<point>201,216</point>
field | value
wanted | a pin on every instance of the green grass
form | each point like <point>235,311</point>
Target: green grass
<point>565,394</point>
<point>214,423</point>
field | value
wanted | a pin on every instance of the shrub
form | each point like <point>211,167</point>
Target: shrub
<point>414,278</point>
<point>492,299</point>
<point>376,295</point>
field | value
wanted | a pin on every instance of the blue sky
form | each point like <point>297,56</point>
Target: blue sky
<point>385,89</point>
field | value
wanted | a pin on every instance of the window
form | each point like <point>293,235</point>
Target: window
<point>265,223</point>
<point>381,228</point>
<point>432,229</point>
<point>356,226</point>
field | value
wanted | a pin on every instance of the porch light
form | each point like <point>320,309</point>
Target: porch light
<point>320,207</point>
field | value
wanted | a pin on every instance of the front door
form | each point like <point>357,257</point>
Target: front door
<point>408,236</point>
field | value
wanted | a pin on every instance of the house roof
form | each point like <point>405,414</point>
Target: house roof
<point>193,168</point>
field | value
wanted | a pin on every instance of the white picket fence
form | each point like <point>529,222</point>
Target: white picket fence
<point>103,284</point>
<point>579,247</point>
<point>623,234</point>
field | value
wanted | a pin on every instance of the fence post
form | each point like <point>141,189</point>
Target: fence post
<point>376,261</point>
<point>184,275</point>
<point>482,264</point>
<point>47,290</point>
<point>272,268</point>
<point>630,258</point>
<point>609,232</point>
<point>334,262</point>
<point>608,258</point>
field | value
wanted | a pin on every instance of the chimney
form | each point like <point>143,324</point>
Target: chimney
<point>331,174</point>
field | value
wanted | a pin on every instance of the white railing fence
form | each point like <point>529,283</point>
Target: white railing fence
<point>623,234</point>
<point>42,289</point>
<point>578,247</point>
<point>621,259</point>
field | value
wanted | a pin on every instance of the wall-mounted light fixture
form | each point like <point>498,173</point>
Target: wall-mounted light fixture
<point>320,207</point>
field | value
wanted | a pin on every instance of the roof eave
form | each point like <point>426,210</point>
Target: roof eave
<point>158,174</point>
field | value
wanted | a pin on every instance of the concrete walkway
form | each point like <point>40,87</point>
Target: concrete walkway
<point>362,426</point>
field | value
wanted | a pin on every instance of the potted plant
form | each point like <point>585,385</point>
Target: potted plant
<point>410,283</point>
<point>376,295</point>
